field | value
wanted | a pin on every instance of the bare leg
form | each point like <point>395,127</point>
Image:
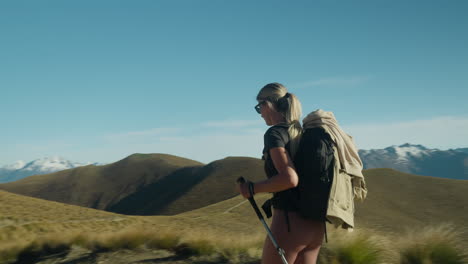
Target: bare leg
<point>308,255</point>
<point>302,243</point>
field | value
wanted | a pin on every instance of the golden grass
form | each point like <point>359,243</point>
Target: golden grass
<point>194,244</point>
<point>432,245</point>
<point>226,232</point>
<point>357,247</point>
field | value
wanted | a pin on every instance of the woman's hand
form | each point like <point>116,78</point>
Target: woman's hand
<point>243,189</point>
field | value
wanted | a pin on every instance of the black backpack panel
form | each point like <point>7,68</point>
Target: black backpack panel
<point>314,162</point>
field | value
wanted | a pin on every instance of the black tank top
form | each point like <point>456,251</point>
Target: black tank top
<point>278,136</point>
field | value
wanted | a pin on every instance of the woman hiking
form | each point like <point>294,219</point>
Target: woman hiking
<point>300,238</point>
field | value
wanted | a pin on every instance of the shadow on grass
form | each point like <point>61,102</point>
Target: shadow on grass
<point>45,255</point>
<point>182,258</point>
<point>161,260</point>
<point>36,256</point>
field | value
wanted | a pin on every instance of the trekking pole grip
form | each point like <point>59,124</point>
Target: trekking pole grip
<point>241,180</point>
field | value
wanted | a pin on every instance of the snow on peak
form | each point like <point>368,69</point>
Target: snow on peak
<point>51,164</point>
<point>405,151</point>
<point>15,166</point>
<point>40,166</point>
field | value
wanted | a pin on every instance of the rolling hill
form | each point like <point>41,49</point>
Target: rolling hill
<point>157,184</point>
<point>142,184</point>
<point>22,218</point>
<point>191,188</point>
<point>100,186</point>
<point>397,202</point>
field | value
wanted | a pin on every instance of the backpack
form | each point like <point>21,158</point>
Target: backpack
<point>314,162</point>
<point>319,169</point>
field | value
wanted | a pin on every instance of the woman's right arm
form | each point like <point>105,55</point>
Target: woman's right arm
<point>285,179</point>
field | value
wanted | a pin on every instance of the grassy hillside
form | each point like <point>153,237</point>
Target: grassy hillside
<point>157,184</point>
<point>31,229</point>
<point>100,187</point>
<point>397,202</point>
<point>24,218</point>
<point>191,188</point>
<point>143,184</point>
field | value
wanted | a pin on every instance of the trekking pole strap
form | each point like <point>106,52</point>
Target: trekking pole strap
<point>325,227</point>
<point>255,207</point>
<point>251,188</point>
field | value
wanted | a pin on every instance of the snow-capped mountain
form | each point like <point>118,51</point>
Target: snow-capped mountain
<point>417,159</point>
<point>21,169</point>
<point>15,166</point>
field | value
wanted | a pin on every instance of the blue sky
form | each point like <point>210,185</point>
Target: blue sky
<point>100,80</point>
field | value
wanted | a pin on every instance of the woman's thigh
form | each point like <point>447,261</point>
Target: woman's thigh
<point>304,237</point>
<point>308,255</point>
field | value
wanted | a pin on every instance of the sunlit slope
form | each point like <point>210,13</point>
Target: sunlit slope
<point>101,186</point>
<point>399,200</point>
<point>154,184</point>
<point>396,202</point>
<point>191,189</point>
<point>143,184</point>
<point>22,218</point>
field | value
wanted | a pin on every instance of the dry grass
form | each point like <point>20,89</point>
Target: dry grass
<point>438,244</point>
<point>357,247</point>
<point>433,245</point>
<point>226,232</point>
<point>208,244</point>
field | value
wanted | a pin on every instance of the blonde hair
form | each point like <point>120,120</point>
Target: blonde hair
<point>289,106</point>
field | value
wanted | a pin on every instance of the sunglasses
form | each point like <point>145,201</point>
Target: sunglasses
<point>257,107</point>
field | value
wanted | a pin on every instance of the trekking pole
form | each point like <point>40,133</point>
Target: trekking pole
<point>260,216</point>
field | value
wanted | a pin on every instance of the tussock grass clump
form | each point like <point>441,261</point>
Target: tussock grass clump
<point>357,247</point>
<point>10,252</point>
<point>46,245</point>
<point>208,246</point>
<point>127,239</point>
<point>434,245</point>
<point>223,249</point>
<point>163,241</point>
<point>199,247</point>
<point>240,254</point>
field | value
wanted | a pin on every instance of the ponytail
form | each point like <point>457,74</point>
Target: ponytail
<point>292,116</point>
<point>289,106</point>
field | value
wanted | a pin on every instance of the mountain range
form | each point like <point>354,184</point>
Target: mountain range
<point>21,169</point>
<point>417,159</point>
<point>161,184</point>
<point>414,159</point>
<point>143,184</point>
